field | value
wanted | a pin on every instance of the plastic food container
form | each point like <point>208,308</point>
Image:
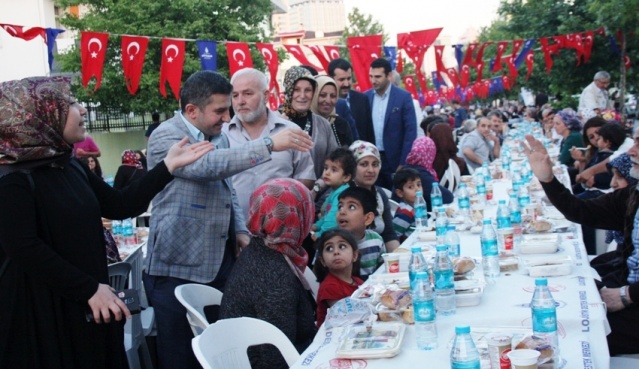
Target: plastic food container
<point>383,340</point>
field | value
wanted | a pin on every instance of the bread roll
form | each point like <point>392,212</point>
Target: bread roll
<point>396,299</point>
<point>463,265</point>
<point>536,343</point>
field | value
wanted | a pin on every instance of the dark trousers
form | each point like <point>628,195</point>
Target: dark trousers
<point>385,178</point>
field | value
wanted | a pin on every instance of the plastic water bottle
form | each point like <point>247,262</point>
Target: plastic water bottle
<point>421,214</point>
<point>109,180</point>
<point>452,241</point>
<point>516,180</point>
<point>480,181</point>
<point>416,264</point>
<point>441,225</point>
<point>464,354</point>
<point>444,282</point>
<point>487,176</point>
<point>116,229</point>
<point>503,215</point>
<point>544,313</point>
<point>128,232</point>
<point>506,160</point>
<point>489,250</point>
<point>424,310</point>
<point>463,200</point>
<point>436,196</point>
<point>525,171</point>
<point>524,197</point>
<point>515,210</point>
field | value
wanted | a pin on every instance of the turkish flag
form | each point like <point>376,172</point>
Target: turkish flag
<point>421,79</point>
<point>505,82</point>
<point>272,61</point>
<point>516,46</point>
<point>298,53</point>
<point>239,56</point>
<point>93,46</point>
<point>171,66</point>
<point>468,58</point>
<point>601,31</point>
<point>479,58</point>
<point>480,71</point>
<point>439,63</point>
<point>574,41</point>
<point>29,34</point>
<point>409,85</point>
<point>512,69</point>
<point>530,61</point>
<point>431,97</point>
<point>320,56</point>
<point>133,51</point>
<point>332,52</point>
<point>560,41</point>
<point>400,62</point>
<point>416,43</point>
<point>453,76</point>
<point>364,49</point>
<point>587,38</point>
<point>464,76</point>
<point>501,47</point>
<point>548,50</point>
<point>627,62</point>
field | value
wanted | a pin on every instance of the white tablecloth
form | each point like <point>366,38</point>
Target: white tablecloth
<point>581,315</point>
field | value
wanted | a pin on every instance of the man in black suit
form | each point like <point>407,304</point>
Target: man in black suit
<point>342,72</point>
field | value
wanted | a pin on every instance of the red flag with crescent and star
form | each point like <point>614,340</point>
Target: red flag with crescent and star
<point>364,49</point>
<point>93,46</point>
<point>501,46</point>
<point>479,58</point>
<point>530,61</point>
<point>409,85</point>
<point>464,76</point>
<point>468,57</point>
<point>587,39</point>
<point>239,56</point>
<point>421,79</point>
<point>272,62</point>
<point>320,56</point>
<point>548,50</point>
<point>332,52</point>
<point>298,53</point>
<point>171,66</point>
<point>29,34</point>
<point>439,63</point>
<point>453,76</point>
<point>133,52</point>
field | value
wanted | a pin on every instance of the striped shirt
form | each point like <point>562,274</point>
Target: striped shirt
<point>370,247</point>
<point>403,220</point>
<point>633,260</point>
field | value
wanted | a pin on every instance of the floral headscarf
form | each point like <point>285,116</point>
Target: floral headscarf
<point>623,164</point>
<point>129,158</point>
<point>281,213</point>
<point>33,113</point>
<point>423,154</point>
<point>291,77</point>
<point>570,119</point>
<point>321,82</point>
<point>362,148</point>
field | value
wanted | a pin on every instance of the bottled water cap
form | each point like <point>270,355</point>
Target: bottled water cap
<point>460,329</point>
<point>541,282</point>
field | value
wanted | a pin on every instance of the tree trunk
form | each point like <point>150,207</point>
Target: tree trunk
<point>622,80</point>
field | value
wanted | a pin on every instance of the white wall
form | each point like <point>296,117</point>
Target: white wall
<point>20,58</point>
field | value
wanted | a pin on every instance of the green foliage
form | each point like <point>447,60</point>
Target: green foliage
<point>234,20</point>
<point>521,19</point>
<point>360,24</point>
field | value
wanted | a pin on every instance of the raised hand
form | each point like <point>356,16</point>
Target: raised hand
<point>180,154</point>
<point>539,159</point>
<point>292,138</point>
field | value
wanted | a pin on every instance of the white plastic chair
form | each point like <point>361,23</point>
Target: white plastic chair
<point>312,281</point>
<point>393,206</point>
<point>451,176</point>
<point>194,297</point>
<point>224,344</point>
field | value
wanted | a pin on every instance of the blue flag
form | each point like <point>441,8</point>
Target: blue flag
<point>390,52</point>
<point>436,81</point>
<point>208,54</point>
<point>52,33</point>
<point>496,86</point>
<point>528,45</point>
<point>613,45</point>
<point>459,55</point>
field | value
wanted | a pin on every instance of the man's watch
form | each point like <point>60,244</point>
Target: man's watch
<point>623,293</point>
<point>269,144</point>
<point>316,187</point>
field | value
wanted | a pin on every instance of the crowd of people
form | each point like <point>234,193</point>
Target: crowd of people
<point>246,203</point>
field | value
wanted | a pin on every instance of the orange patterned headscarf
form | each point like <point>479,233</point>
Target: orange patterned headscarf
<point>281,213</point>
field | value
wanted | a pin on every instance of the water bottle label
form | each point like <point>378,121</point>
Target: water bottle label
<point>424,310</point>
<point>481,189</point>
<point>515,217</point>
<point>523,201</point>
<point>544,320</point>
<point>436,201</point>
<point>444,279</point>
<point>464,203</point>
<point>466,365</point>
<point>440,230</point>
<point>516,186</point>
<point>420,212</point>
<point>503,222</point>
<point>454,250</point>
<point>489,248</point>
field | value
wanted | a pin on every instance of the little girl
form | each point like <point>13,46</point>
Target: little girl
<point>337,255</point>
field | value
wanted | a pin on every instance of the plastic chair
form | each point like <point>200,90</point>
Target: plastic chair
<point>393,206</point>
<point>311,278</point>
<point>225,343</point>
<point>134,338</point>
<point>451,176</point>
<point>194,297</point>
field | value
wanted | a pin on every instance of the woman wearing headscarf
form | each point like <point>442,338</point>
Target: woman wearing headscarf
<point>442,135</point>
<point>324,101</point>
<point>53,269</point>
<point>130,170</point>
<point>420,158</point>
<point>299,87</point>
<point>267,281</point>
<point>568,126</point>
<point>369,164</point>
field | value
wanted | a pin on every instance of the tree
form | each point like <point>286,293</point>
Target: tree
<point>236,20</point>
<point>360,24</point>
<point>544,18</point>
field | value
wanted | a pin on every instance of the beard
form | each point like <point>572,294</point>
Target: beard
<point>253,116</point>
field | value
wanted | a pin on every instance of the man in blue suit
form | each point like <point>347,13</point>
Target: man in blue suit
<point>394,121</point>
<point>360,109</point>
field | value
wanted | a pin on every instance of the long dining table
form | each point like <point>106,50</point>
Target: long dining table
<point>504,307</point>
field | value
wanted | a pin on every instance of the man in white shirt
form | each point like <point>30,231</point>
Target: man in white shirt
<point>594,98</point>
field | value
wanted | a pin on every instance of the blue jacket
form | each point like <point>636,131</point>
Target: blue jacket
<point>400,125</point>
<point>344,111</point>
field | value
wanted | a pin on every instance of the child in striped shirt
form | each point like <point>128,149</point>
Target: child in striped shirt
<point>406,184</point>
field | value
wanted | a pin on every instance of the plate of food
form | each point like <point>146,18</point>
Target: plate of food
<point>379,341</point>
